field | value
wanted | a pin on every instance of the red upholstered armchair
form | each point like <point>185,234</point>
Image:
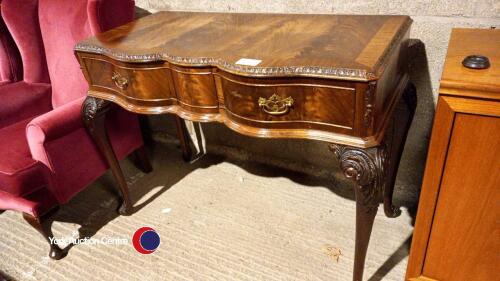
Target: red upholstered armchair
<point>10,60</point>
<point>46,155</point>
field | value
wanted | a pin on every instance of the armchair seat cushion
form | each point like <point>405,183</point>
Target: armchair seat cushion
<point>22,100</point>
<point>20,174</point>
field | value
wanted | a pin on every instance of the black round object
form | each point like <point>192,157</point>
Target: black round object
<point>476,62</point>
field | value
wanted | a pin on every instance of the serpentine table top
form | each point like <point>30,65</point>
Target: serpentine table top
<point>333,78</point>
<point>337,48</point>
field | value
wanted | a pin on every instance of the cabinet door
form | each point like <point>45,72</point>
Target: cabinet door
<point>458,224</point>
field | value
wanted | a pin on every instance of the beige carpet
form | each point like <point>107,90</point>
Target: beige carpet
<point>219,219</point>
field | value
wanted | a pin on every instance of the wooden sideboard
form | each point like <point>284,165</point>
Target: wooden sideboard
<point>336,79</point>
<point>458,223</point>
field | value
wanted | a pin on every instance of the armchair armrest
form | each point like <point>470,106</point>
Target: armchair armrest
<point>51,126</point>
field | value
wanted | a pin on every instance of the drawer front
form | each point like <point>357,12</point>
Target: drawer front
<point>290,104</point>
<point>195,89</point>
<point>135,82</point>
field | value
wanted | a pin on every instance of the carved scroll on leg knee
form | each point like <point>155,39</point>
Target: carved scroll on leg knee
<point>366,167</point>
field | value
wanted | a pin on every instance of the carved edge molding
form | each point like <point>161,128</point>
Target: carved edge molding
<point>314,71</point>
<point>367,168</point>
<point>343,73</point>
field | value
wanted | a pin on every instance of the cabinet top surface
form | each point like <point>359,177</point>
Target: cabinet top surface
<point>354,47</point>
<point>459,80</point>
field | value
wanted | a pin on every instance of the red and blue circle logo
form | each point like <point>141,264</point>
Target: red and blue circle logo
<point>146,240</point>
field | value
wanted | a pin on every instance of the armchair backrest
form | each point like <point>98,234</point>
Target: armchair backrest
<point>63,23</point>
<point>11,69</point>
<point>21,18</point>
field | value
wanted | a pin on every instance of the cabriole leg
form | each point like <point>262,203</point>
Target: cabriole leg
<point>366,168</point>
<point>94,117</point>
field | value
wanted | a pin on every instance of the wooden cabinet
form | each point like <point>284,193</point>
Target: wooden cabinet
<point>457,233</point>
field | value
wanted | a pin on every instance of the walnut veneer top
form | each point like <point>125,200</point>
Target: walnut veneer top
<point>345,46</point>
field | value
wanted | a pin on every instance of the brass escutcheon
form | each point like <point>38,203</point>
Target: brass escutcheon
<point>120,81</point>
<point>275,105</point>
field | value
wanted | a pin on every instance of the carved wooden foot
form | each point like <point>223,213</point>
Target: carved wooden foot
<point>45,230</point>
<point>183,139</point>
<point>94,117</point>
<point>366,167</point>
<point>142,160</point>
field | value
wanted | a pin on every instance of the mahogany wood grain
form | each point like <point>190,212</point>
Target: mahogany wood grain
<point>195,88</point>
<point>331,78</point>
<point>456,231</point>
<point>279,40</point>
<point>316,104</point>
<point>366,55</point>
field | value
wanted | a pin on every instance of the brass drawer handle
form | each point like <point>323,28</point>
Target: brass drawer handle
<point>120,81</point>
<point>275,105</point>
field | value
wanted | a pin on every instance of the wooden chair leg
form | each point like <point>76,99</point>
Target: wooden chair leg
<point>142,160</point>
<point>45,230</point>
<point>183,138</point>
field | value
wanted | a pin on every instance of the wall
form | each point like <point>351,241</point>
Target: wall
<point>430,31</point>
